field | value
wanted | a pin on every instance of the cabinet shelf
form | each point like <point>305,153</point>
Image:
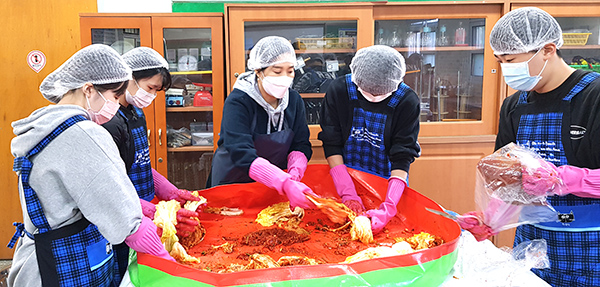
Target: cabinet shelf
<point>189,109</point>
<point>442,49</point>
<point>324,51</point>
<point>190,148</point>
<point>580,47</point>
<point>312,95</point>
<point>191,73</point>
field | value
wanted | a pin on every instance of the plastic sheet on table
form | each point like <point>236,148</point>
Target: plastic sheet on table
<point>428,267</point>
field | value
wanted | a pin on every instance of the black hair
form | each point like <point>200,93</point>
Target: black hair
<point>149,73</point>
<point>118,88</point>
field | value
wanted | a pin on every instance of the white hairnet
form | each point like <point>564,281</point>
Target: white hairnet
<point>524,30</point>
<point>144,58</point>
<point>378,69</point>
<point>269,51</point>
<point>97,64</point>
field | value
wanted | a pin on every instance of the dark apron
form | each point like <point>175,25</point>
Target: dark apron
<point>274,147</point>
<point>140,174</point>
<point>574,238</point>
<point>365,147</point>
<point>73,255</point>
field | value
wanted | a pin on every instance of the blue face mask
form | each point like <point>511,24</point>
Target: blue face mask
<point>517,76</point>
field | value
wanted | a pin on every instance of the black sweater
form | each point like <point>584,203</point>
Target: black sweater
<point>119,130</point>
<point>400,135</point>
<point>237,138</point>
<point>585,113</point>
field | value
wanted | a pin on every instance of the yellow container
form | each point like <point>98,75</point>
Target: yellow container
<point>575,39</point>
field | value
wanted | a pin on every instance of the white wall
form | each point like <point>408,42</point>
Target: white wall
<point>134,6</point>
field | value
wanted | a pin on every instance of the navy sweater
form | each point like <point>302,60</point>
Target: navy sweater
<point>237,138</point>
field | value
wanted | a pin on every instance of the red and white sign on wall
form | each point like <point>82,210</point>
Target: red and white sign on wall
<point>36,60</point>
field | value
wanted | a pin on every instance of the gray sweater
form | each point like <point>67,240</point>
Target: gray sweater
<point>80,173</point>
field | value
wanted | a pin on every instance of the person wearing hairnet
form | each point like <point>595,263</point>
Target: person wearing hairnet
<point>128,129</point>
<point>554,112</point>
<point>72,183</point>
<point>264,127</point>
<point>370,122</point>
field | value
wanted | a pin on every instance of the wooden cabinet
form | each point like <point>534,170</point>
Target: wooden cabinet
<point>463,77</point>
<point>183,122</point>
<point>324,41</point>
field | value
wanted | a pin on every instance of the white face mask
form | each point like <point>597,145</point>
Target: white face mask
<point>141,99</point>
<point>516,75</point>
<point>276,86</point>
<point>373,99</point>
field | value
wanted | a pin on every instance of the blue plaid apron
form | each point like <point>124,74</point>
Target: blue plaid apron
<point>73,255</point>
<point>365,148</point>
<point>573,245</point>
<point>140,174</point>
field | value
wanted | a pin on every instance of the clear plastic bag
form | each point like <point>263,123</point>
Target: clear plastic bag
<point>483,264</point>
<point>499,194</point>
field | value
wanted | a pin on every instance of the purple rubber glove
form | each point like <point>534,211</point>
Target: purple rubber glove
<point>297,163</point>
<point>165,190</point>
<point>185,224</point>
<point>270,175</point>
<point>146,240</point>
<point>387,209</point>
<point>148,209</point>
<point>345,188</point>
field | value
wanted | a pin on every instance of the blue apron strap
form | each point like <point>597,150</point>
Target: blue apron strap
<point>522,97</point>
<point>23,166</point>
<point>398,95</point>
<point>351,87</point>
<point>584,82</point>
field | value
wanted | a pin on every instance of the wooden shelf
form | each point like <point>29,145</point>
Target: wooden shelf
<point>190,148</point>
<point>188,109</point>
<point>312,95</point>
<point>191,73</point>
<point>319,51</point>
<point>324,51</point>
<point>581,47</point>
<point>441,49</point>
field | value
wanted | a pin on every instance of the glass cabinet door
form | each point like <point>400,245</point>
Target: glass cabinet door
<point>186,133</point>
<point>449,63</point>
<point>444,63</point>
<point>123,33</point>
<point>581,48</point>
<point>324,50</point>
<point>325,38</point>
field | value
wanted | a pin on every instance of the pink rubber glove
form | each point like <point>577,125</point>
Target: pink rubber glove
<point>261,170</point>
<point>582,182</point>
<point>148,209</point>
<point>146,240</point>
<point>387,209</point>
<point>473,222</point>
<point>562,180</point>
<point>165,190</point>
<point>185,224</point>
<point>297,163</point>
<point>345,188</point>
<point>541,180</point>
